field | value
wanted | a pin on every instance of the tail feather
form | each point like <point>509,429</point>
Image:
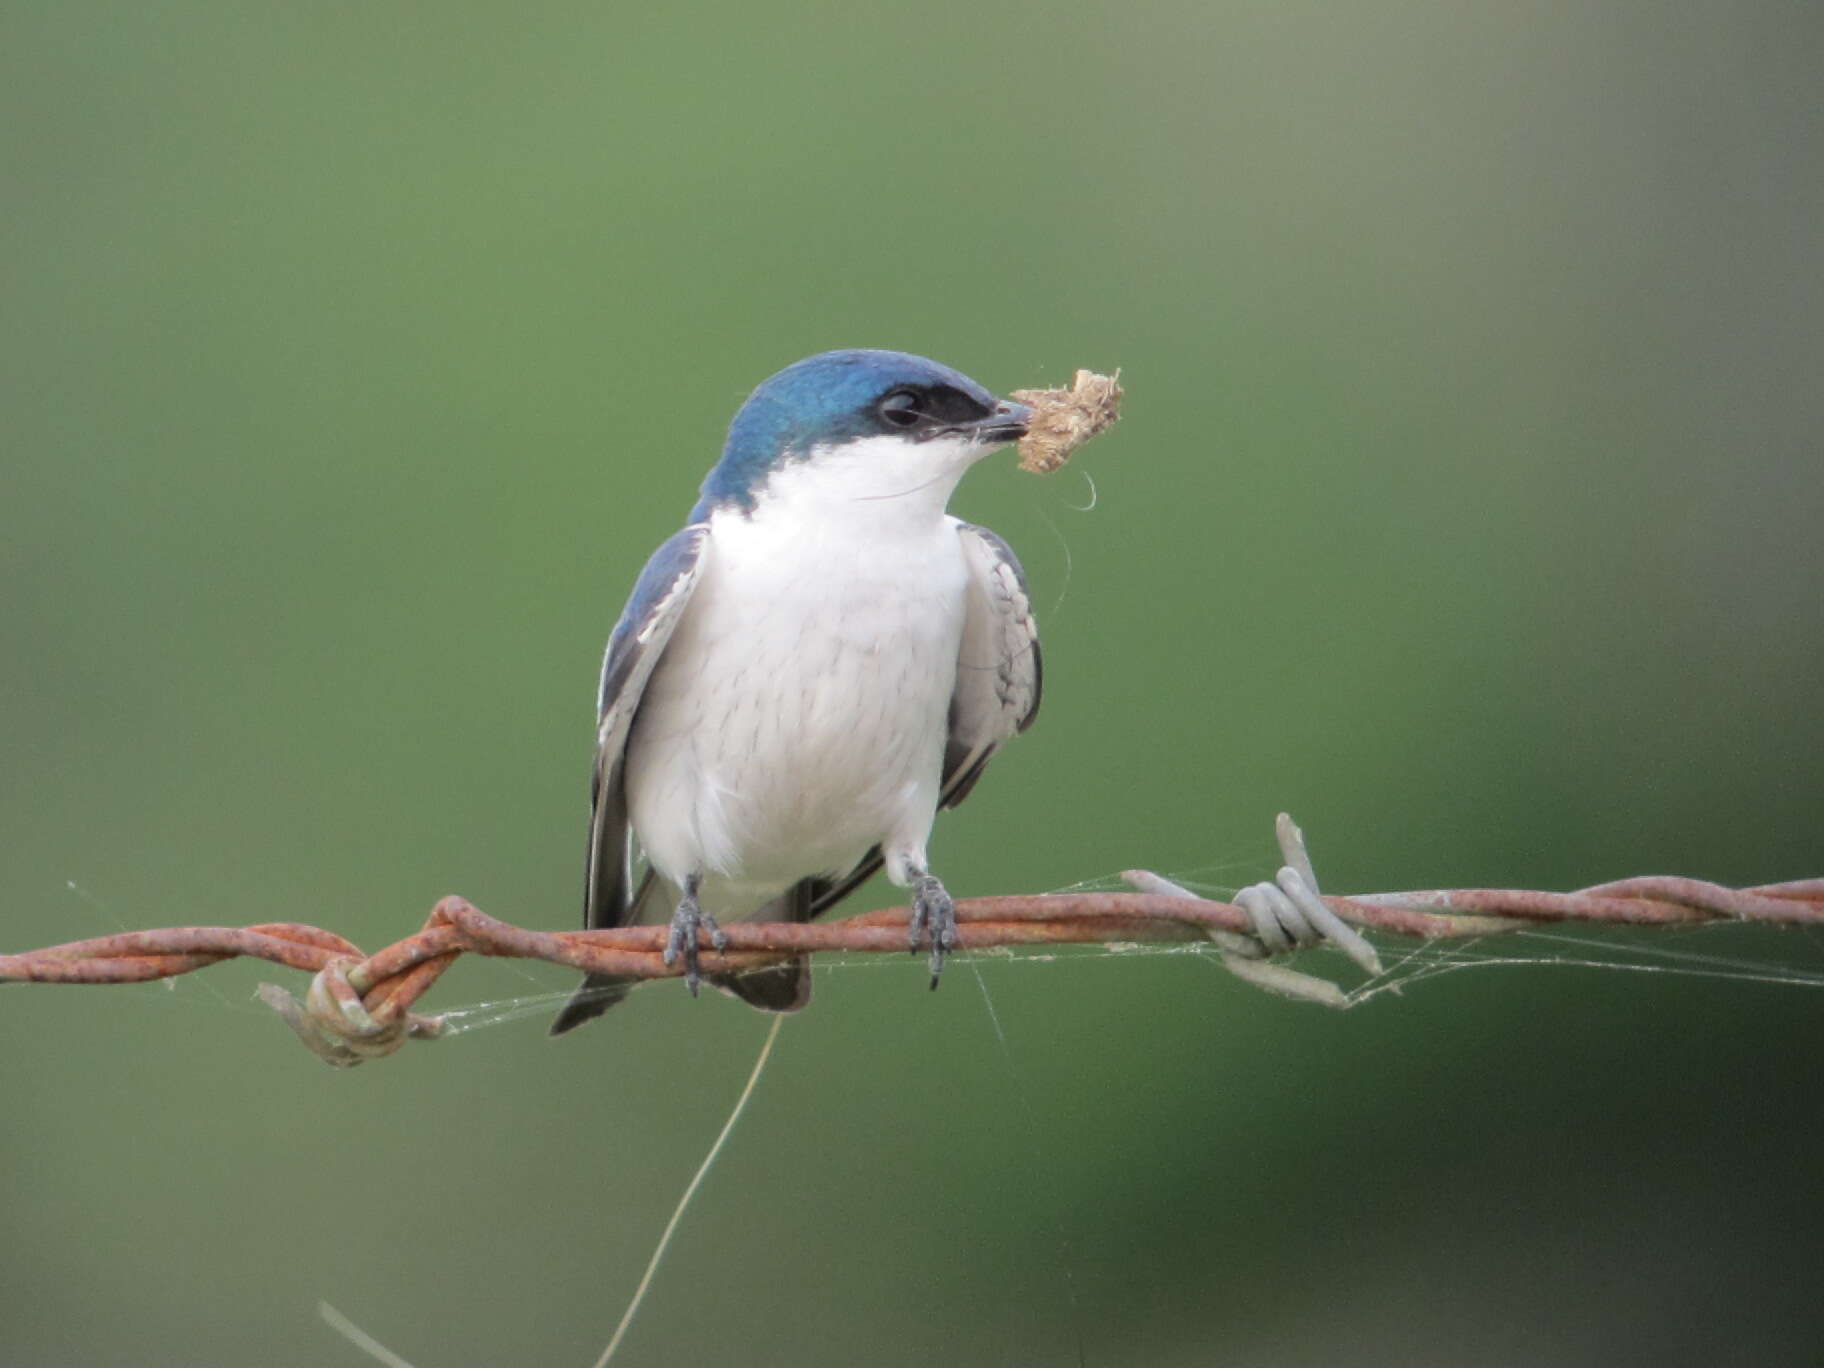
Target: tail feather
<point>777,988</point>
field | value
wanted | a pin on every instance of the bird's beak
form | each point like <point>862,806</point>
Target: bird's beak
<point>1007,423</point>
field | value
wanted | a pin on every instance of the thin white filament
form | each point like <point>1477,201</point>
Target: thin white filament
<point>358,1337</point>
<point>1094,498</point>
<point>677,1213</point>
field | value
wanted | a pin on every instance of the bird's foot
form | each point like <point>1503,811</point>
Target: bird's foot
<point>933,923</point>
<point>687,924</point>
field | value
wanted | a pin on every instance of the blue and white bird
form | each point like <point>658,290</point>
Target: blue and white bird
<point>820,660</point>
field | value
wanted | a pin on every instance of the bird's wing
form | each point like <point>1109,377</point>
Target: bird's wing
<point>658,600</point>
<point>998,675</point>
<point>998,679</point>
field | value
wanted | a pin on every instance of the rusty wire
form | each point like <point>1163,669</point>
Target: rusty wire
<point>360,1006</point>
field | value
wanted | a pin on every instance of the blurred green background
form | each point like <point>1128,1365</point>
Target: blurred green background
<point>1468,506</point>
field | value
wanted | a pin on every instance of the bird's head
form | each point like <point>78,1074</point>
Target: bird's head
<point>861,424</point>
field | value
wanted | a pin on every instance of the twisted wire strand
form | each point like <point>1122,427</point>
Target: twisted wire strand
<point>360,1006</point>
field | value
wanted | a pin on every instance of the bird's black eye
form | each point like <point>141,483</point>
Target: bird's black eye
<point>900,409</point>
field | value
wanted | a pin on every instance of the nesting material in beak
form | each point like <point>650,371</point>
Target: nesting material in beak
<point>1062,420</point>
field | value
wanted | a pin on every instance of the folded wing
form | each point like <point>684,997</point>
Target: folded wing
<point>659,598</point>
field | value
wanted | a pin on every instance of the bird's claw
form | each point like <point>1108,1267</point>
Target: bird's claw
<point>687,924</point>
<point>933,922</point>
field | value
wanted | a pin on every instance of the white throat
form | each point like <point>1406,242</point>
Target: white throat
<point>869,484</point>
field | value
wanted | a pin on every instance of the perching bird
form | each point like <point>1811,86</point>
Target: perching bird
<point>804,674</point>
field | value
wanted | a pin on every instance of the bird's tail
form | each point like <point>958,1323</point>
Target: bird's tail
<point>777,988</point>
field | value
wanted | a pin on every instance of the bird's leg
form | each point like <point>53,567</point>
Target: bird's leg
<point>686,923</point>
<point>933,921</point>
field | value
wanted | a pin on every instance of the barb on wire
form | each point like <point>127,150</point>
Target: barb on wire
<point>359,1006</point>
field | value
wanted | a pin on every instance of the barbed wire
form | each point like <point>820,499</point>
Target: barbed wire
<point>359,1006</point>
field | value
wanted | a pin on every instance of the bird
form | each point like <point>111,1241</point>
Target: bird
<point>805,673</point>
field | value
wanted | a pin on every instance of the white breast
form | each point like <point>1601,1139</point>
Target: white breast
<point>799,714</point>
